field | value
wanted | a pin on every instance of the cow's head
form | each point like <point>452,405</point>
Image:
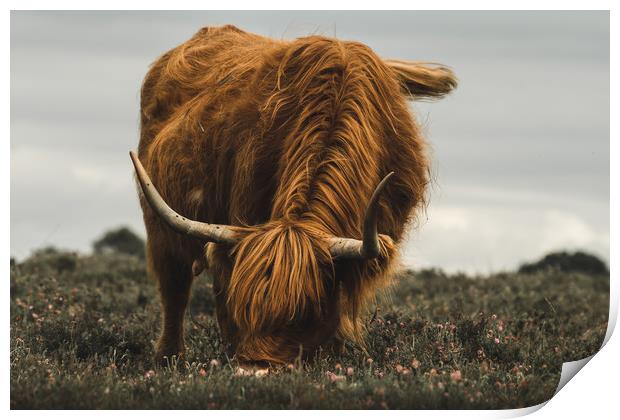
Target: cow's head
<point>258,306</point>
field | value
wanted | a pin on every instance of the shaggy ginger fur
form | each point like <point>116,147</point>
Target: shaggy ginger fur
<point>286,140</point>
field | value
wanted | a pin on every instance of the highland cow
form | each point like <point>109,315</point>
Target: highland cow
<point>276,157</point>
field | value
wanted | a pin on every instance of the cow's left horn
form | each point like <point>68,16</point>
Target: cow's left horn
<point>368,247</point>
<point>206,231</point>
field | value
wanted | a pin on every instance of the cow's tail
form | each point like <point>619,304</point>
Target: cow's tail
<point>423,80</point>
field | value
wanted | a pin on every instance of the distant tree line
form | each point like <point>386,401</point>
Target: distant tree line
<point>124,241</point>
<point>567,262</point>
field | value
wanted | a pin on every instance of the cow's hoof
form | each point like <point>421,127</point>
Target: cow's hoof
<point>168,357</point>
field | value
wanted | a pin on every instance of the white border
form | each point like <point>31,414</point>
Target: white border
<point>593,394</point>
<point>312,5</point>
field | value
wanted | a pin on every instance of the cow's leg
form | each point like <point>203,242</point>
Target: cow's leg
<point>174,276</point>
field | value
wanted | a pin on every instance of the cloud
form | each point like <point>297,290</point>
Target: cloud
<point>483,239</point>
<point>520,150</point>
<point>67,198</point>
<point>561,229</point>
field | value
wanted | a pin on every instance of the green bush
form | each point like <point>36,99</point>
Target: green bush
<point>121,240</point>
<point>567,262</point>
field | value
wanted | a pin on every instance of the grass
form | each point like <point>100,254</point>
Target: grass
<point>83,329</point>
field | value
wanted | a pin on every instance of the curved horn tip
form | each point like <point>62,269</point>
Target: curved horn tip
<point>369,247</point>
<point>134,159</point>
<point>370,243</point>
<point>385,179</point>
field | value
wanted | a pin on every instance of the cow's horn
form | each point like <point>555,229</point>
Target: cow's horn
<point>368,247</point>
<point>206,231</point>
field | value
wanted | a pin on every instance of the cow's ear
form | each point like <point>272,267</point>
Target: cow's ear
<point>423,80</point>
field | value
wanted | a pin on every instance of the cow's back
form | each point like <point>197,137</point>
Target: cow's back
<point>214,62</point>
<point>196,103</point>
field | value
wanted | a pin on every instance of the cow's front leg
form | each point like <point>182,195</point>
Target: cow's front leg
<point>175,279</point>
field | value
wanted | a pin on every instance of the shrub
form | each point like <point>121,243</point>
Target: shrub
<point>121,240</point>
<point>50,257</point>
<point>567,262</point>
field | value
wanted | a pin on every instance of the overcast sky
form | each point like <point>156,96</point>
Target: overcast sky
<point>520,150</point>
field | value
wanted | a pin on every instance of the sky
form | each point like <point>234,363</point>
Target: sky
<point>520,151</point>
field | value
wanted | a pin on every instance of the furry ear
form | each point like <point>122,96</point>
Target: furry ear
<point>423,80</point>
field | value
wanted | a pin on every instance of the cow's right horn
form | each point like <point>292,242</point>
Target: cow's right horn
<point>369,246</point>
<point>205,231</point>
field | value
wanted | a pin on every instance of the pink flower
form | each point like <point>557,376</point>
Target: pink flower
<point>214,363</point>
<point>399,368</point>
<point>333,377</point>
<point>149,374</point>
<point>496,340</point>
<point>415,363</point>
<point>349,371</point>
<point>202,372</point>
<point>456,375</point>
